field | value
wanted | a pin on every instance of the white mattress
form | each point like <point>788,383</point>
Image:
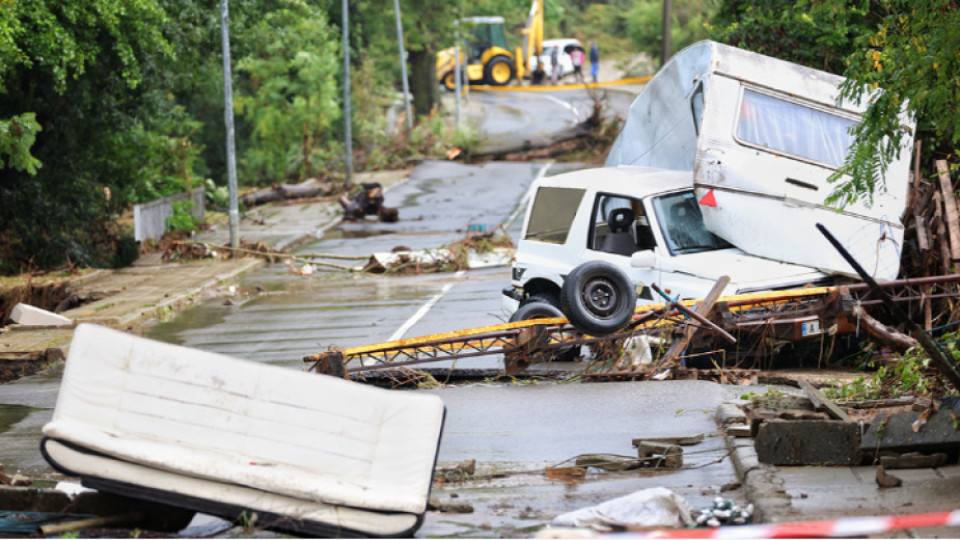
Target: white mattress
<point>249,434</point>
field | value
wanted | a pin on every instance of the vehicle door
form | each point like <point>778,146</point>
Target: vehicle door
<point>619,227</point>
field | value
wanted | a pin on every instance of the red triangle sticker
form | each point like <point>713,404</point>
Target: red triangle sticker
<point>709,199</point>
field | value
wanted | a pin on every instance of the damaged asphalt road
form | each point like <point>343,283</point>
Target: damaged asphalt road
<point>516,431</point>
<point>513,431</point>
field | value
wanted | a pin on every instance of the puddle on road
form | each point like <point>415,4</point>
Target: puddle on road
<point>362,231</point>
<point>205,315</point>
<point>10,415</point>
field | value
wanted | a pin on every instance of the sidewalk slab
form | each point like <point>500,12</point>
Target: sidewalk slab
<point>804,493</point>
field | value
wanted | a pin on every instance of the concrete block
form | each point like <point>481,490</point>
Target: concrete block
<point>913,460</point>
<point>738,430</point>
<point>608,462</point>
<point>729,413</point>
<point>895,434</point>
<point>671,455</point>
<point>757,418</point>
<point>683,440</point>
<point>808,442</point>
<point>27,315</point>
<point>800,414</point>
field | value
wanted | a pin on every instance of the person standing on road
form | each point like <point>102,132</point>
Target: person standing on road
<point>554,65</point>
<point>594,60</point>
<point>576,56</point>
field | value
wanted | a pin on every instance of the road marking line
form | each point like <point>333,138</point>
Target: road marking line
<point>424,309</point>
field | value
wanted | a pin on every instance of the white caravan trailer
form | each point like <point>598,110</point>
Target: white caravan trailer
<point>762,136</point>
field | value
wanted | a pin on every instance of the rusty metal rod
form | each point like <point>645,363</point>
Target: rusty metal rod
<point>932,349</point>
<point>703,320</point>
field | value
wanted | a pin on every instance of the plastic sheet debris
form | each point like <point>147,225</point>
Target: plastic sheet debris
<point>654,507</point>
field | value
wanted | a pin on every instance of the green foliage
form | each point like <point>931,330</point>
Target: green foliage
<point>91,75</point>
<point>813,33</point>
<point>912,55</point>
<point>908,376</point>
<point>182,218</point>
<point>217,196</point>
<point>292,100</point>
<point>644,22</point>
<point>17,136</point>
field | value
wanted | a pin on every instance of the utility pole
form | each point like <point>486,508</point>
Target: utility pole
<point>403,66</point>
<point>457,69</point>
<point>347,117</point>
<point>234,212</point>
<point>665,42</point>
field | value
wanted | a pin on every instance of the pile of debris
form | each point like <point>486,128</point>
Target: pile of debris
<point>932,225</point>
<point>368,202</point>
<point>811,429</point>
<point>177,250</point>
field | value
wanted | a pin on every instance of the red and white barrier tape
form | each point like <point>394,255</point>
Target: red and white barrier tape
<point>835,528</point>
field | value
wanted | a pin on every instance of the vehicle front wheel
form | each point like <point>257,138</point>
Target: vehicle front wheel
<point>498,71</point>
<point>598,298</point>
<point>545,306</point>
<point>538,306</point>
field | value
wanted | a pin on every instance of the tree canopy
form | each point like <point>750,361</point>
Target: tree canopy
<point>104,103</point>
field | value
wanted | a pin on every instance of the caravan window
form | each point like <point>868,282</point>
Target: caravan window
<point>794,129</point>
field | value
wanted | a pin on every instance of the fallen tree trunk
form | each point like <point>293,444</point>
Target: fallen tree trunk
<point>899,341</point>
<point>279,192</point>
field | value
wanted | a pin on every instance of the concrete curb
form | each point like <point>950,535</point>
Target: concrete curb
<point>177,302</point>
<point>760,482</point>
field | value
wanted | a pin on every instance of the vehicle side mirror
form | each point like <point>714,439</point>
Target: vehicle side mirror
<point>644,259</point>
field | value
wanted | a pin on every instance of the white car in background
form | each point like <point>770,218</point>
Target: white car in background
<point>563,56</point>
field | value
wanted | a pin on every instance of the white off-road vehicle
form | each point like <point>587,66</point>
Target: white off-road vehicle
<point>591,235</point>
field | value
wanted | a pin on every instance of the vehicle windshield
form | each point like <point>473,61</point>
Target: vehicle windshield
<point>682,224</point>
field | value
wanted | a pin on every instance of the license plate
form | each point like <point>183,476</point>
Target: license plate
<point>810,328</point>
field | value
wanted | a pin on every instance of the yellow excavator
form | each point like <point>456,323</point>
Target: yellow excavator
<point>486,58</point>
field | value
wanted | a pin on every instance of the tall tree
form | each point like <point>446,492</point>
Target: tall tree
<point>83,72</point>
<point>912,54</point>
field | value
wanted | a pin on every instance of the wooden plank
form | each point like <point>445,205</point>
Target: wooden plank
<point>915,183</point>
<point>923,234</point>
<point>822,402</point>
<point>704,308</point>
<point>950,213</point>
<point>941,234</point>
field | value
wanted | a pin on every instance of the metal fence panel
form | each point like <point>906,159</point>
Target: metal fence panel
<point>150,219</point>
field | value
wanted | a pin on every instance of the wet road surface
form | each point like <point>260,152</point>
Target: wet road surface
<point>297,316</point>
<point>513,430</point>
